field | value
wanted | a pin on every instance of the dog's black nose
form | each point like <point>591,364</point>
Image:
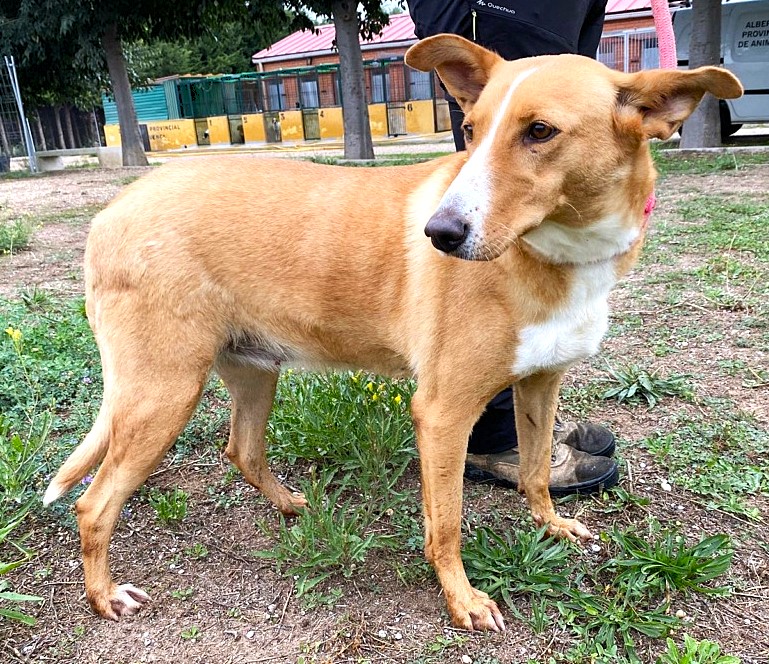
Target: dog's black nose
<point>446,231</point>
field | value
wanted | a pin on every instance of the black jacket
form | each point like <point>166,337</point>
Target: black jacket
<point>516,28</point>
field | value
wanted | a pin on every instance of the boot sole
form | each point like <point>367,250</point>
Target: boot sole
<point>594,485</point>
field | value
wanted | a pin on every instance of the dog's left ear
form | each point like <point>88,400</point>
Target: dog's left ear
<point>665,98</point>
<point>464,67</point>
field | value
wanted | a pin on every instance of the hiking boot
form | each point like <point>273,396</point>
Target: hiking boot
<point>571,471</point>
<point>585,437</point>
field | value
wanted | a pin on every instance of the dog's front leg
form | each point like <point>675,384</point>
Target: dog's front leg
<point>442,431</point>
<point>536,400</point>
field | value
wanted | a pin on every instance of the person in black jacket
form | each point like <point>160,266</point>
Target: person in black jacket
<point>515,29</point>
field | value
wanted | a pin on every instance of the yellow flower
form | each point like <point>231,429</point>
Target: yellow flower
<point>397,399</point>
<point>15,334</point>
<point>370,386</point>
<point>374,397</point>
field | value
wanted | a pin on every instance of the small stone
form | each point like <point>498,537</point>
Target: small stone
<point>680,614</point>
<point>595,548</point>
<point>271,608</point>
<point>397,636</point>
<point>466,659</point>
<point>250,634</point>
<point>666,486</point>
<point>382,634</point>
<point>746,621</point>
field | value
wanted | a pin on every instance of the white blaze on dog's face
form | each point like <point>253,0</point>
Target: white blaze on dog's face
<point>556,149</point>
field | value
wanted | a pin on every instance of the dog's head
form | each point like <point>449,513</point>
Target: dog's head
<point>557,151</point>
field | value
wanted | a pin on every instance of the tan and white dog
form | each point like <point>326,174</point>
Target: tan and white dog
<point>242,265</point>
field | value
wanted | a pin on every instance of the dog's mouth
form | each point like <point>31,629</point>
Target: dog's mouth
<point>454,236</point>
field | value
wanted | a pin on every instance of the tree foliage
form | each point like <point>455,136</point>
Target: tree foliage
<point>76,38</point>
<point>351,19</point>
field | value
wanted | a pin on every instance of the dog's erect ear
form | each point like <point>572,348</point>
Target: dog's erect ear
<point>464,67</point>
<point>666,97</point>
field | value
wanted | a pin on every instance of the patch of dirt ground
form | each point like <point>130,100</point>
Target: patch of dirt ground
<point>241,610</point>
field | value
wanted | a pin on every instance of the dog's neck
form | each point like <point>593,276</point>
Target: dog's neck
<point>603,240</point>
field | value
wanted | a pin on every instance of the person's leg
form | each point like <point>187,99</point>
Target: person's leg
<point>457,118</point>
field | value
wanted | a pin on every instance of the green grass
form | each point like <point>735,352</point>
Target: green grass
<point>672,162</point>
<point>15,233</point>
<point>333,536</point>
<point>606,607</point>
<point>398,159</point>
<point>11,519</point>
<point>355,430</point>
<point>717,224</point>
<point>723,458</point>
<point>76,216</point>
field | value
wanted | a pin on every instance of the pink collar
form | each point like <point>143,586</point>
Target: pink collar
<point>649,207</point>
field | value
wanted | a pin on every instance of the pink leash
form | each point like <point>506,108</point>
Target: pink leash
<point>666,39</point>
<point>666,43</point>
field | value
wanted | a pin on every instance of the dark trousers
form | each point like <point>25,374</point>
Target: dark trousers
<point>495,431</point>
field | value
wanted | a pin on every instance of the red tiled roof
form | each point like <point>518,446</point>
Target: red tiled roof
<point>621,6</point>
<point>399,29</point>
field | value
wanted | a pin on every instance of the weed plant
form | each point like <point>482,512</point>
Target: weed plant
<point>635,384</point>
<point>15,234</point>
<point>333,535</point>
<point>695,652</point>
<point>169,506</point>
<point>607,607</point>
<point>355,422</point>
<point>11,602</point>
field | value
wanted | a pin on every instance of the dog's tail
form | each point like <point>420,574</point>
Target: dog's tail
<point>86,455</point>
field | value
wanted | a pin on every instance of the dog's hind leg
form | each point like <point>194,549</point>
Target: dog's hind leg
<point>148,401</point>
<point>252,391</point>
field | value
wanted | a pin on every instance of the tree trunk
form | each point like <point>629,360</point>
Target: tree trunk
<point>73,112</point>
<point>703,128</point>
<point>130,138</point>
<point>41,144</point>
<point>4,138</point>
<point>68,126</point>
<point>62,144</point>
<point>357,130</point>
<point>96,133</point>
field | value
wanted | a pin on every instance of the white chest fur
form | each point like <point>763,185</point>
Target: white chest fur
<point>574,331</point>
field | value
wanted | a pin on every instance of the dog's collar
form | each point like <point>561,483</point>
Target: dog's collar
<point>649,208</point>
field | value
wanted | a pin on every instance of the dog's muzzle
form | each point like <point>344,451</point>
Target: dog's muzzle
<point>447,231</point>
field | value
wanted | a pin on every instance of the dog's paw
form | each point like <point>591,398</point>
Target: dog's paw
<point>476,612</point>
<point>293,504</point>
<point>570,529</point>
<point>123,600</point>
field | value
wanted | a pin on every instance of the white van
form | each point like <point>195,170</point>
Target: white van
<point>744,52</point>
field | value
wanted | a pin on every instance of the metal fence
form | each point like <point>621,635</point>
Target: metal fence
<point>15,134</point>
<point>630,50</point>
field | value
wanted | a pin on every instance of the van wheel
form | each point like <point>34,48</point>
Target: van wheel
<point>727,128</point>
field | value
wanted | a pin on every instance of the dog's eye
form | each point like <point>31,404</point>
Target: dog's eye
<point>541,132</point>
<point>468,131</point>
